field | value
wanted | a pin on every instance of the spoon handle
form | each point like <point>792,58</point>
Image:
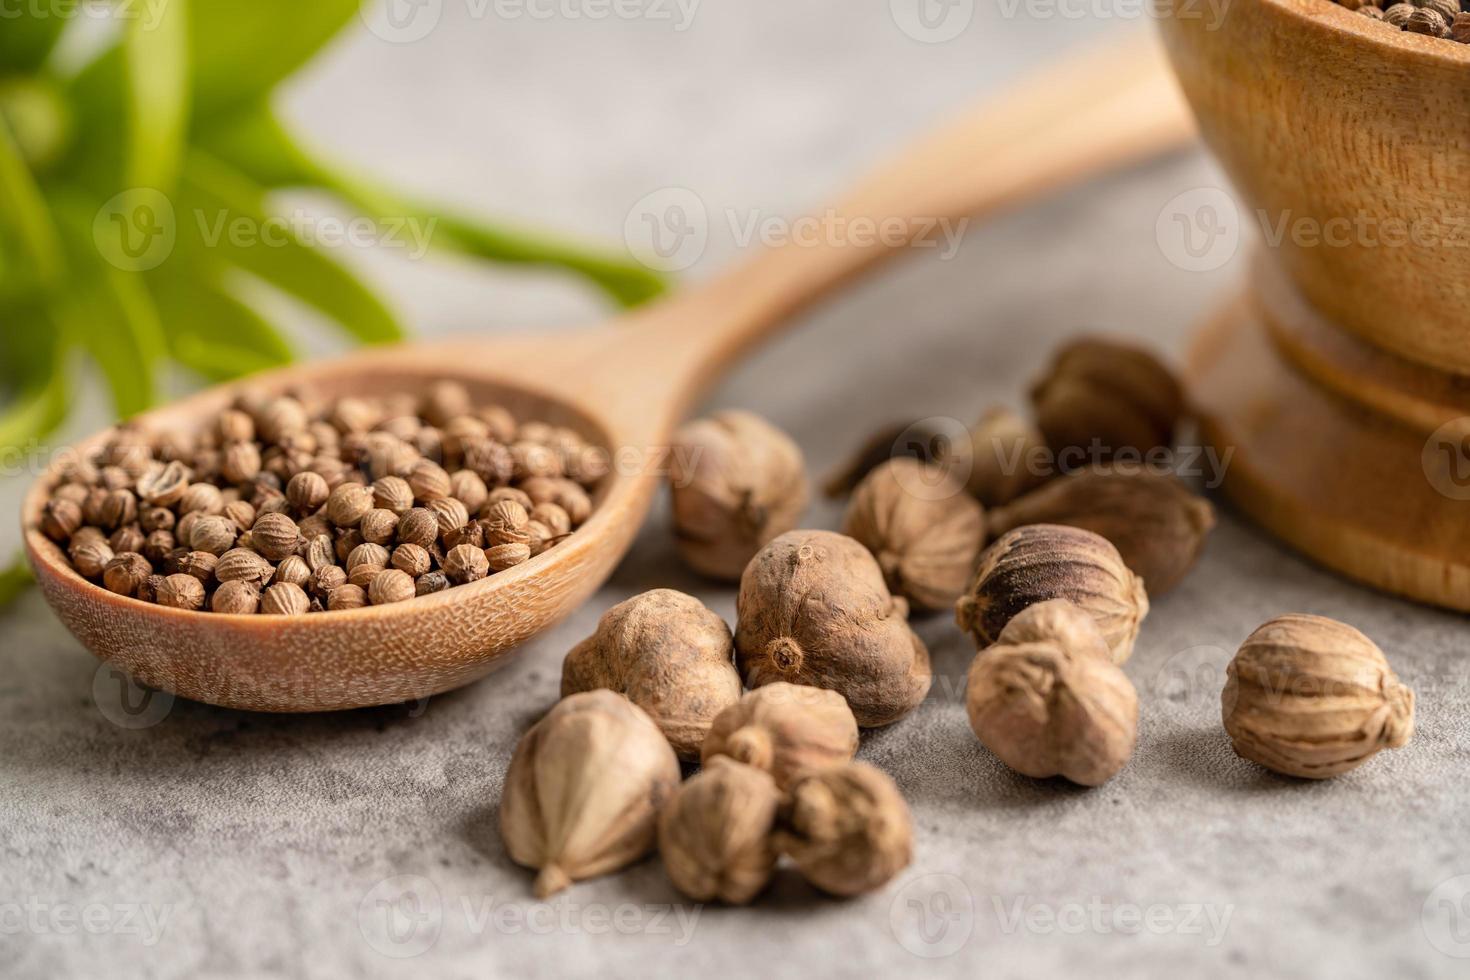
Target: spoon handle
<point>1112,105</point>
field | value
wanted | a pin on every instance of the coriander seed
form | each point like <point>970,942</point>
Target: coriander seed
<point>326,579</point>
<point>236,599</point>
<point>60,520</point>
<point>346,597</point>
<point>431,583</point>
<point>307,491</point>
<point>418,526</point>
<point>504,556</point>
<point>367,554</point>
<point>390,586</point>
<point>428,481</point>
<point>394,494</point>
<point>91,558</point>
<point>348,504</point>
<point>363,575</point>
<point>284,599</point>
<point>378,526</point>
<point>276,536</point>
<point>180,592</point>
<point>293,571</point>
<point>465,564</point>
<point>412,559</point>
<point>242,565</point>
<point>200,564</point>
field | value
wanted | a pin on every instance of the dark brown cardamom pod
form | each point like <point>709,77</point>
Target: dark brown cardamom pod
<point>1102,397</point>
<point>1038,562</point>
<point>1155,522</point>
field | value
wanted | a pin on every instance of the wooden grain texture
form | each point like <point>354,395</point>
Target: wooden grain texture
<point>623,385</point>
<point>1322,116</point>
<point>1330,378</point>
<point>1354,489</point>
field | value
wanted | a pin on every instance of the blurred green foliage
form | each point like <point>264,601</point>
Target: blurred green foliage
<point>105,165</point>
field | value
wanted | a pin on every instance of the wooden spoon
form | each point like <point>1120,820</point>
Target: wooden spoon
<point>623,385</point>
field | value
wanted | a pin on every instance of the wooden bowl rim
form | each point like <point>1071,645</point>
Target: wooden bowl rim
<point>1338,19</point>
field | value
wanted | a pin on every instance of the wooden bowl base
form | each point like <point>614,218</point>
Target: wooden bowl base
<point>1359,459</point>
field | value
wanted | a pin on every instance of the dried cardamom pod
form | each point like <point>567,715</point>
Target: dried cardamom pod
<point>1038,562</point>
<point>737,482</point>
<point>584,790</point>
<point>922,527</point>
<point>1048,700</point>
<point>813,609</point>
<point>1155,522</point>
<point>1309,696</point>
<point>847,829</point>
<point>1007,456</point>
<point>667,653</point>
<point>1102,396</point>
<point>925,439</point>
<point>786,730</point>
<point>716,833</point>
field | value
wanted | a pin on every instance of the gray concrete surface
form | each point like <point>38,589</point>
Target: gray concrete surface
<point>214,843</point>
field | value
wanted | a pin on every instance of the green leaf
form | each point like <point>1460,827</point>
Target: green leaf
<point>110,312</point>
<point>30,32</point>
<point>23,212</point>
<point>156,55</point>
<point>259,145</point>
<point>33,347</point>
<point>114,318</point>
<point>241,49</point>
<point>97,157</point>
<point>210,331</point>
<point>14,581</point>
<point>216,196</point>
<point>255,143</point>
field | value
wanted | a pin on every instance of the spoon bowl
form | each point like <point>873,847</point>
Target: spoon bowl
<point>623,386</point>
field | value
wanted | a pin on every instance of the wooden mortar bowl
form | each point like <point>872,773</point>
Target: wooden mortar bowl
<point>1341,378</point>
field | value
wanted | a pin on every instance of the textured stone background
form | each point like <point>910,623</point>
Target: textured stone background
<point>289,845</point>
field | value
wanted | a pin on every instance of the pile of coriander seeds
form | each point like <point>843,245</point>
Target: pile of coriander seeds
<point>291,504</point>
<point>1449,19</point>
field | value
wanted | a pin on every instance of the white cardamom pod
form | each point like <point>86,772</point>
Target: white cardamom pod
<point>584,789</point>
<point>1309,696</point>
